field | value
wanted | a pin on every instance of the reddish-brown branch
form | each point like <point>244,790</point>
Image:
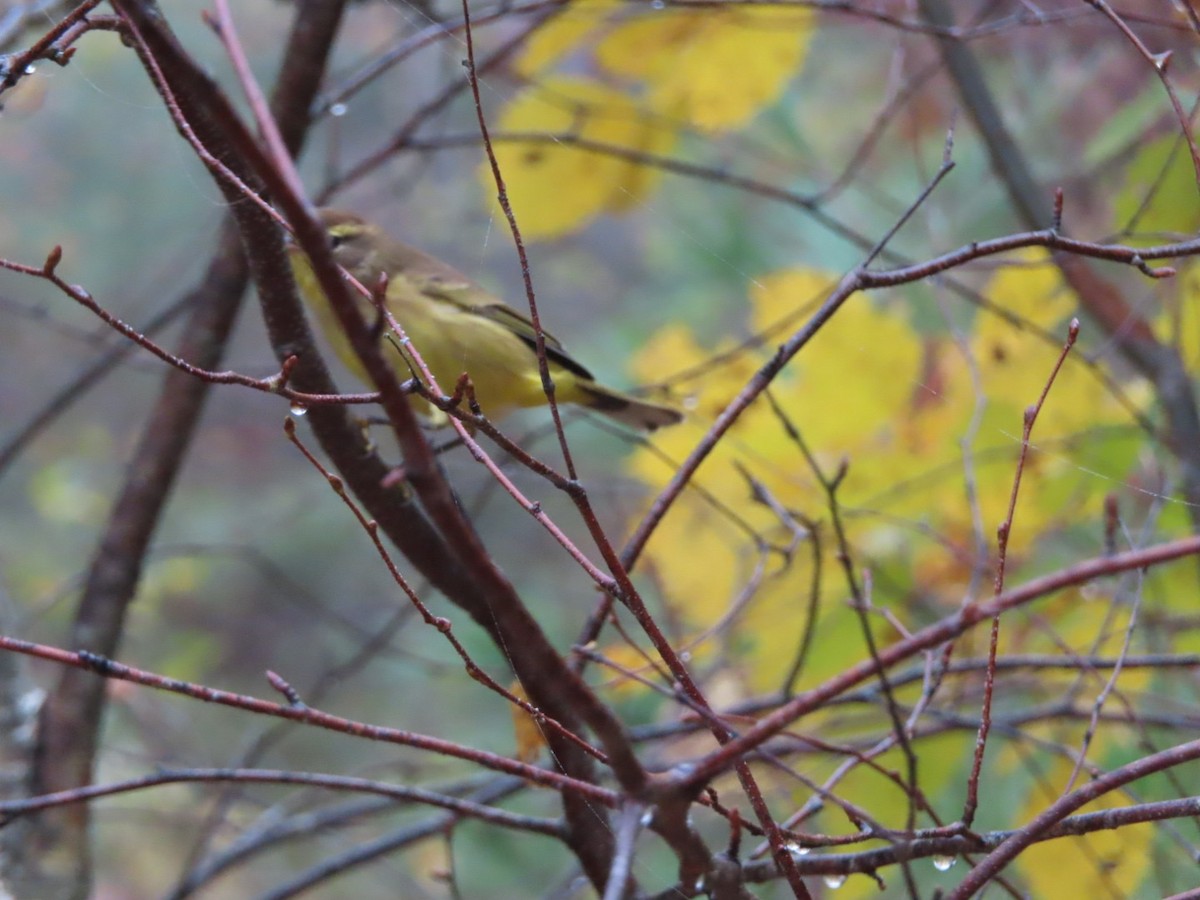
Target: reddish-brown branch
<point>95,664</point>
<point>925,639</point>
<point>272,384</point>
<point>10,810</point>
<point>1159,63</point>
<point>471,575</point>
<point>72,713</point>
<point>443,625</point>
<point>539,335</point>
<point>953,841</point>
<point>404,136</point>
<point>989,867</point>
<point>1004,532</point>
<point>56,44</point>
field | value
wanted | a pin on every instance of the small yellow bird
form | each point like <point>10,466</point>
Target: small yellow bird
<point>457,326</point>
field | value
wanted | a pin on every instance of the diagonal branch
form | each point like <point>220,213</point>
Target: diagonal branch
<point>435,534</point>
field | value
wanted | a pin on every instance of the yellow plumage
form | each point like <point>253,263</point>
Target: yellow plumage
<point>457,326</point>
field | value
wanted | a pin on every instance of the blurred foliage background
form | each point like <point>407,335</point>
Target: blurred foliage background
<point>645,274</point>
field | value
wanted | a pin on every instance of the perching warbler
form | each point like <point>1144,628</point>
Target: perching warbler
<point>457,326</point>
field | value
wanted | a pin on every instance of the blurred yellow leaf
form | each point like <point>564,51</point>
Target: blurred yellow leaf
<point>1179,323</point>
<point>1101,864</point>
<point>945,761</point>
<point>1014,362</point>
<point>672,350</point>
<point>930,432</point>
<point>1160,189</point>
<point>1172,589</point>
<point>528,732</point>
<point>714,67</point>
<point>857,375</point>
<point>556,187</point>
<point>844,392</point>
<point>1080,629</point>
<point>783,296</point>
<point>623,658</point>
<point>431,865</point>
<point>776,624</point>
<point>66,492</point>
<point>1064,477</point>
<point>562,33</point>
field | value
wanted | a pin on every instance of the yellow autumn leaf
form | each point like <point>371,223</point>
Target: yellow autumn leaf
<point>1179,323</point>
<point>701,520</point>
<point>431,866</point>
<point>945,761</point>
<point>1100,864</point>
<point>1159,194</point>
<point>1030,287</point>
<point>1015,362</point>
<point>931,435</point>
<point>715,67</point>
<point>672,350</point>
<point>1092,625</point>
<point>621,659</point>
<point>779,635</point>
<point>641,49</point>
<point>556,186</point>
<point>527,731</point>
<point>562,33</point>
<point>1077,450</point>
<point>698,523</point>
<point>782,298</point>
<point>845,391</point>
<point>1172,589</point>
<point>855,377</point>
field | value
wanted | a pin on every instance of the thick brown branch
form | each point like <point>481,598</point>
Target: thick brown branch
<point>72,714</point>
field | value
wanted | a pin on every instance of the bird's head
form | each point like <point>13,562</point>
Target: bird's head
<point>355,243</point>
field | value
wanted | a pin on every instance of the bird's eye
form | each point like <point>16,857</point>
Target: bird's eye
<point>336,240</point>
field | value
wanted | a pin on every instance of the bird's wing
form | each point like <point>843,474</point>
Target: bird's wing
<point>462,293</point>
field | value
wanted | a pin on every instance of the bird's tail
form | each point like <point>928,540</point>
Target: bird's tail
<point>625,409</point>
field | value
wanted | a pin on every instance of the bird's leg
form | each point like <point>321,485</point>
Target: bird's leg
<point>379,301</point>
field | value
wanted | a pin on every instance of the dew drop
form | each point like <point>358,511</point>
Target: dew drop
<point>338,110</point>
<point>691,402</point>
<point>683,769</point>
<point>647,818</point>
<point>944,863</point>
<point>796,850</point>
<point>833,882</point>
<point>299,409</point>
<point>698,887</point>
<point>30,702</point>
<point>30,69</point>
